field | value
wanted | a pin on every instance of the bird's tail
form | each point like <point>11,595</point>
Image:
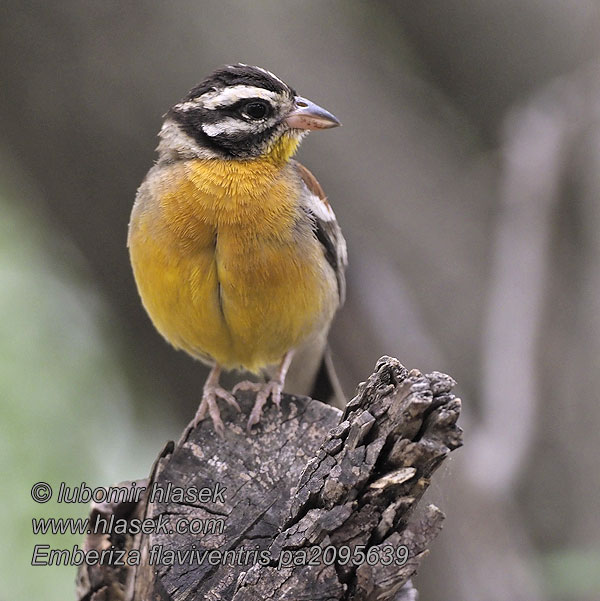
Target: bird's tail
<point>312,374</point>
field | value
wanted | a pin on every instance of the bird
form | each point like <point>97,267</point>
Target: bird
<point>236,252</point>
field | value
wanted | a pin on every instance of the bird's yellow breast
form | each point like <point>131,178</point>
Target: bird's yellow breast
<point>225,266</point>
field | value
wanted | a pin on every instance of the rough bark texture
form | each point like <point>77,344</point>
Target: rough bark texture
<point>328,499</point>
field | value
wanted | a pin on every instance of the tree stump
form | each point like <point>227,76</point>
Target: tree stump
<point>315,504</point>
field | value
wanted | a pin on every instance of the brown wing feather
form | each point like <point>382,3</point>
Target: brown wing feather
<point>327,230</point>
<point>311,181</point>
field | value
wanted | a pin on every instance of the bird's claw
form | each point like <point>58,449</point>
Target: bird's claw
<point>272,389</point>
<point>209,405</point>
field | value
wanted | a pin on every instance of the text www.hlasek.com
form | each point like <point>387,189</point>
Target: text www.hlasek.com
<point>100,525</point>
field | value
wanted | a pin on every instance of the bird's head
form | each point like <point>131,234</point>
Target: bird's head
<point>240,112</point>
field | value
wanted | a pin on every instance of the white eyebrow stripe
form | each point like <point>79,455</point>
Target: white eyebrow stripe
<point>224,97</point>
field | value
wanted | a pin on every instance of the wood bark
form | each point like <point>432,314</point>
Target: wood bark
<point>316,504</point>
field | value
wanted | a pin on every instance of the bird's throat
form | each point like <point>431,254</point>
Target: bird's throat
<point>285,147</point>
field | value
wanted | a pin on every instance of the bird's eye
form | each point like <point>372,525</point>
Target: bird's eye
<point>256,109</point>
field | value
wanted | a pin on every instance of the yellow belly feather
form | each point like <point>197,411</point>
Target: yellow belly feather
<point>219,263</point>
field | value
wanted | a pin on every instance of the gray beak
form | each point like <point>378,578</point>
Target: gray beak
<point>308,115</point>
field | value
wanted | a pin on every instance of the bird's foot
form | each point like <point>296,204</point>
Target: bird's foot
<point>209,405</point>
<point>272,388</point>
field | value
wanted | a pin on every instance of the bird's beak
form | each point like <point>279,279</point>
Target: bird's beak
<point>308,115</point>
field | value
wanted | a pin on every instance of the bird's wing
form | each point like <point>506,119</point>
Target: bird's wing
<point>326,227</point>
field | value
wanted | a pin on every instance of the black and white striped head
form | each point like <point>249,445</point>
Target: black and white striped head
<point>238,112</point>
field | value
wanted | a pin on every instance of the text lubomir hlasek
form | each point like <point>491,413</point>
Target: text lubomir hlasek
<point>132,493</point>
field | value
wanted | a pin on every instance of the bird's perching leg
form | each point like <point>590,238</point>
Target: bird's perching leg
<point>273,388</point>
<point>211,392</point>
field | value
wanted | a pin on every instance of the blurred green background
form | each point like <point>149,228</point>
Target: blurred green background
<point>466,180</point>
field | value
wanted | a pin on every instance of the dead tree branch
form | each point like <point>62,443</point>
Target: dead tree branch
<point>315,505</point>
